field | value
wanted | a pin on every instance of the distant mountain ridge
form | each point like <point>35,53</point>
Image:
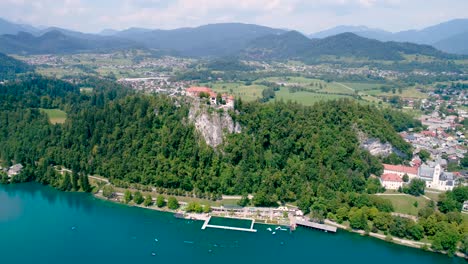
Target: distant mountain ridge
<point>208,40</point>
<point>56,41</point>
<point>7,27</point>
<point>442,36</point>
<point>224,39</point>
<point>294,45</point>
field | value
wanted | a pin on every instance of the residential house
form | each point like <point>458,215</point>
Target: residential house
<point>401,170</point>
<point>391,181</point>
<point>14,170</point>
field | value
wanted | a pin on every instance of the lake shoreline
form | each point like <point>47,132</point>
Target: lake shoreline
<point>394,240</point>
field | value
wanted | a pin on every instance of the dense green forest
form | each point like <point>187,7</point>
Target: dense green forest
<point>285,149</point>
<point>10,67</point>
<point>286,152</point>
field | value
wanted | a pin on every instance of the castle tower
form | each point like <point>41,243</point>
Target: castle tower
<point>436,176</point>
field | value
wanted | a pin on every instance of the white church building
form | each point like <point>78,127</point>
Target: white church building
<point>434,177</point>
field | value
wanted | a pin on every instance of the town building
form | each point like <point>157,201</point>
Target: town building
<point>436,178</point>
<point>401,170</point>
<point>197,91</point>
<point>433,174</point>
<point>14,170</point>
<point>391,181</point>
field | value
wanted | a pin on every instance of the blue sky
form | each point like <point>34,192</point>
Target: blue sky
<point>307,16</point>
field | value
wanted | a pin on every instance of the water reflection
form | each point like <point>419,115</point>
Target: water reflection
<point>77,201</point>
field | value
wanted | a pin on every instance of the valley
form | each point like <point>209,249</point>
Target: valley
<point>241,120</point>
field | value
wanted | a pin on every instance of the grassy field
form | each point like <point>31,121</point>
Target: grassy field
<point>58,72</point>
<point>337,88</point>
<point>56,116</point>
<point>362,86</point>
<point>405,203</point>
<point>306,98</point>
<point>246,92</point>
<point>433,196</point>
<point>410,92</point>
<point>86,90</point>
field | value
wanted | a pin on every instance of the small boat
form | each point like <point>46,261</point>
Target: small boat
<point>153,254</point>
<point>278,228</point>
<point>156,240</point>
<point>188,242</point>
<point>73,228</point>
<point>269,229</point>
<point>274,233</point>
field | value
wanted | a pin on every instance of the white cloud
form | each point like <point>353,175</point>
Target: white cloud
<point>305,15</point>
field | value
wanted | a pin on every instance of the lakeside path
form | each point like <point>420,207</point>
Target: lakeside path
<point>396,240</point>
<point>400,241</point>
<point>400,194</point>
<point>404,242</point>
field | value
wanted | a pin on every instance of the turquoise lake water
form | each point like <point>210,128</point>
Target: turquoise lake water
<point>41,225</point>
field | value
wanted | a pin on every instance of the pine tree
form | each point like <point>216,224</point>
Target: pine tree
<point>127,196</point>
<point>148,200</point>
<point>74,181</point>
<point>84,182</point>
<point>66,183</point>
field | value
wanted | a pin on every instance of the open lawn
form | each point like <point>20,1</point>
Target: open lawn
<point>338,88</point>
<point>410,92</point>
<point>405,203</point>
<point>247,93</point>
<point>56,116</point>
<point>86,90</point>
<point>433,196</point>
<point>362,86</point>
<point>306,98</point>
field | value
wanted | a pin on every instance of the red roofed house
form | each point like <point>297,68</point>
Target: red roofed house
<point>196,91</point>
<point>401,170</point>
<point>428,133</point>
<point>391,181</point>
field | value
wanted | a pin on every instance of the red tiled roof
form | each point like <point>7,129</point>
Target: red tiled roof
<point>391,177</point>
<point>198,90</point>
<point>401,169</point>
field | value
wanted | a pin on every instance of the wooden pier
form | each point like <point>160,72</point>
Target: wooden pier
<point>207,221</point>
<point>326,228</point>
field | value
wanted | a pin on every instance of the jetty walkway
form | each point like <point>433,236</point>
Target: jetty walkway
<point>207,224</point>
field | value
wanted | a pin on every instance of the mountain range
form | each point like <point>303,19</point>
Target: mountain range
<point>227,39</point>
<point>294,45</point>
<point>451,36</point>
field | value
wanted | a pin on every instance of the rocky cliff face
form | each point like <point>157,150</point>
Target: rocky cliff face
<point>211,123</point>
<point>375,146</point>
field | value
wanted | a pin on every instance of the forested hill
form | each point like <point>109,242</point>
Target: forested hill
<point>57,42</point>
<point>294,45</point>
<point>10,67</point>
<point>285,152</point>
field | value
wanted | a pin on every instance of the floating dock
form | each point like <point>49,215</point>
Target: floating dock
<point>207,221</point>
<point>326,228</point>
